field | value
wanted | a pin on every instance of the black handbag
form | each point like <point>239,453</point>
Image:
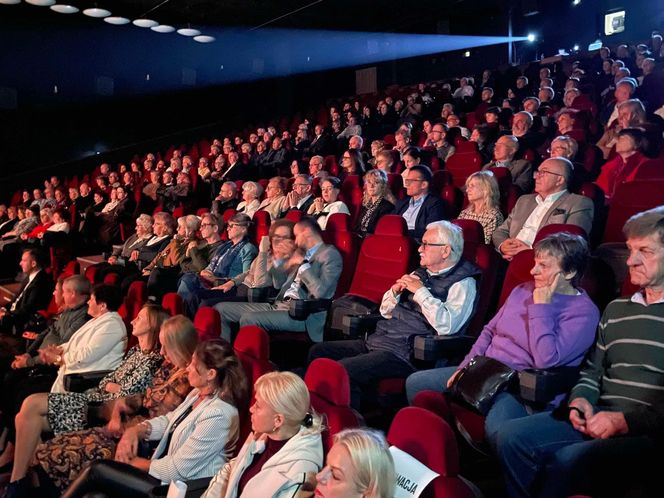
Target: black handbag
<point>480,381</point>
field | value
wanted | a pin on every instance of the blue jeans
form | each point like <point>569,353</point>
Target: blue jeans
<point>545,457</point>
<point>505,407</point>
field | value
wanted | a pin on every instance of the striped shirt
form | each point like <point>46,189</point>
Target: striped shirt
<point>625,371</point>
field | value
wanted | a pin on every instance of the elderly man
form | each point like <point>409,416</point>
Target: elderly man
<point>227,198</point>
<point>523,127</point>
<point>316,170</point>
<point>438,298</point>
<point>613,424</point>
<point>520,170</point>
<point>419,207</point>
<point>551,203</point>
<point>300,198</point>
<point>625,89</point>
<point>312,272</point>
<point>321,144</point>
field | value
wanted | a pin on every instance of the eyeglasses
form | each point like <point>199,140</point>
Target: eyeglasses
<point>208,225</point>
<point>541,172</point>
<point>408,182</point>
<point>426,244</point>
<point>233,225</point>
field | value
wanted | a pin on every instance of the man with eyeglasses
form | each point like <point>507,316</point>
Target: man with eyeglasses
<point>551,203</point>
<point>300,198</point>
<point>419,207</point>
<point>438,298</point>
<point>520,170</point>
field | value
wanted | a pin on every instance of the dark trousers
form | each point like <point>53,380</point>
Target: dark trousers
<point>113,479</point>
<point>365,368</point>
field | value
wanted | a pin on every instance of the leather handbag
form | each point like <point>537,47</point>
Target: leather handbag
<point>480,381</point>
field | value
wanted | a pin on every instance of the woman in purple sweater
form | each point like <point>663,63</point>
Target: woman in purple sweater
<point>548,322</point>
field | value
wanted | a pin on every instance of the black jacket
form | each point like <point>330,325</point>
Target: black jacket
<point>432,210</point>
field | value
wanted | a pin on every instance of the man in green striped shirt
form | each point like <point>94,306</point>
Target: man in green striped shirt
<point>615,422</point>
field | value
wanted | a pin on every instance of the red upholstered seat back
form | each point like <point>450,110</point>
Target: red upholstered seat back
<point>462,165</point>
<point>207,323</point>
<point>338,233</point>
<point>547,230</point>
<point>631,198</point>
<point>384,257</point>
<point>351,194</point>
<point>518,272</point>
<point>261,226</point>
<point>173,304</point>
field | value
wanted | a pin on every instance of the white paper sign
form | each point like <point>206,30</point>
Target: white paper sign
<point>412,475</point>
<point>177,489</point>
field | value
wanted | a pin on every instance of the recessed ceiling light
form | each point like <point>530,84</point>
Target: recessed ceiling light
<point>163,28</point>
<point>145,23</point>
<point>116,20</point>
<point>97,12</point>
<point>188,32</point>
<point>64,9</point>
<point>10,2</point>
<point>204,39</point>
<point>41,3</point>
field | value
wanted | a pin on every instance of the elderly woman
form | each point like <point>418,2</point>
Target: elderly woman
<point>630,149</point>
<point>251,193</point>
<point>328,203</point>
<point>358,464</point>
<point>548,322</point>
<point>65,456</point>
<point>483,202</point>
<point>229,260</point>
<point>194,440</point>
<point>275,194</point>
<point>284,446</point>
<point>631,114</point>
<point>46,219</point>
<point>377,200</point>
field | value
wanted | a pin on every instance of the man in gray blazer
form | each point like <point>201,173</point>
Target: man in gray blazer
<point>311,273</point>
<point>551,203</point>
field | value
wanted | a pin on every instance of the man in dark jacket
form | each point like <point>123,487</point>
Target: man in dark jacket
<point>419,207</point>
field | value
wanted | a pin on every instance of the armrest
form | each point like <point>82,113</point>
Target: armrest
<point>300,309</point>
<point>436,347</point>
<point>79,382</point>
<point>357,325</point>
<point>541,386</point>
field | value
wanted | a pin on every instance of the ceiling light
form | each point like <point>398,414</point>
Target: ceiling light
<point>163,28</point>
<point>531,37</point>
<point>10,2</point>
<point>96,12</point>
<point>145,23</point>
<point>41,3</point>
<point>64,9</point>
<point>188,32</point>
<point>116,20</point>
<point>204,38</point>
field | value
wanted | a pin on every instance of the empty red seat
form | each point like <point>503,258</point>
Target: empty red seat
<point>207,323</point>
<point>518,272</point>
<point>72,268</point>
<point>395,181</point>
<point>462,165</point>
<point>173,304</point>
<point>178,212</point>
<point>631,198</point>
<point>294,215</point>
<point>252,347</point>
<point>338,233</point>
<point>261,226</point>
<point>351,194</point>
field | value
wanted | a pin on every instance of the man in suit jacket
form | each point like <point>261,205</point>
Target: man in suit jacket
<point>419,207</point>
<point>33,295</point>
<point>552,203</point>
<point>321,145</point>
<point>311,273</point>
<point>520,170</point>
<point>236,170</point>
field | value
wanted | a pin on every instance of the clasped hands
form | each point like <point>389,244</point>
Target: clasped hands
<point>407,281</point>
<point>511,247</point>
<point>600,425</point>
<point>49,354</point>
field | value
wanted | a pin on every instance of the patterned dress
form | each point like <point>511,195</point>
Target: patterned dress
<point>65,456</point>
<point>490,220</point>
<point>68,411</point>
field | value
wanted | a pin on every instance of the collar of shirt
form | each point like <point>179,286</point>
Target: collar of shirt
<point>309,254</point>
<point>439,272</point>
<point>639,298</point>
<point>32,276</point>
<point>550,199</point>
<point>302,201</point>
<point>417,202</point>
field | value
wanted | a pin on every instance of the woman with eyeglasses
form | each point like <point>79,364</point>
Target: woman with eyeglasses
<point>328,203</point>
<point>351,164</point>
<point>377,201</point>
<point>64,457</point>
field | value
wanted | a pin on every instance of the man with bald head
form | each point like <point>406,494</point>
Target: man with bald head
<point>551,203</point>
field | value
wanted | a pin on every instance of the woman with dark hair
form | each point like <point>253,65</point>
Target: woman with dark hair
<point>351,164</point>
<point>194,440</point>
<point>298,167</point>
<point>377,200</point>
<point>548,322</point>
<point>328,203</point>
<point>631,145</point>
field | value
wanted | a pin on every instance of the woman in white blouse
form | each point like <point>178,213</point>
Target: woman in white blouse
<point>328,203</point>
<point>251,193</point>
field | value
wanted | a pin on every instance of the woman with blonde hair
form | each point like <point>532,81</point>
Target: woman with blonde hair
<point>483,202</point>
<point>284,446</point>
<point>359,464</point>
<point>377,201</point>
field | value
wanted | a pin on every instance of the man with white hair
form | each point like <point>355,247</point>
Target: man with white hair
<point>436,299</point>
<point>520,170</point>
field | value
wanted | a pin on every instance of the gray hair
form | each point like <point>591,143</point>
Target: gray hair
<point>145,220</point>
<point>529,117</point>
<point>231,185</point>
<point>167,219</point>
<point>191,222</point>
<point>449,233</point>
<point>571,145</point>
<point>636,108</point>
<point>631,82</point>
<point>359,138</point>
<point>79,284</point>
<point>305,177</point>
<point>646,223</point>
<point>255,188</point>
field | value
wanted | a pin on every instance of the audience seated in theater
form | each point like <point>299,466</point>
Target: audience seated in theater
<point>521,170</point>
<point>125,256</point>
<point>199,252</point>
<point>385,160</point>
<point>321,143</point>
<point>10,219</point>
<point>275,196</point>
<point>378,146</point>
<point>551,203</point>
<point>164,270</point>
<point>115,213</point>
<point>437,298</point>
<point>483,202</point>
<point>312,272</point>
<point>231,258</point>
<point>547,323</point>
<point>273,250</point>
<point>33,295</point>
<point>412,156</point>
<point>358,464</point>
<point>486,102</point>
<point>485,138</point>
<point>352,128</point>
<point>453,121</point>
<point>46,219</point>
<point>613,422</point>
<point>419,207</point>
<point>328,203</point>
<point>61,412</point>
<point>625,89</point>
<point>251,193</point>
<point>631,114</point>
<point>631,144</point>
<point>149,197</point>
<point>278,159</point>
<point>227,198</point>
<point>194,440</point>
<point>444,147</point>
<point>64,457</point>
<point>377,200</point>
<point>522,130</point>
<point>300,198</point>
<point>284,446</point>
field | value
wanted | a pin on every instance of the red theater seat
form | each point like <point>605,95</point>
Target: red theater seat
<point>207,323</point>
<point>338,233</point>
<point>173,304</point>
